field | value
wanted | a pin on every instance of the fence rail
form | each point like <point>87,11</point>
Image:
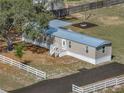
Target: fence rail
<point>84,7</point>
<point>99,85</point>
<point>32,70</point>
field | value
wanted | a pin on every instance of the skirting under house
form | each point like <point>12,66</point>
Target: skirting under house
<point>87,59</point>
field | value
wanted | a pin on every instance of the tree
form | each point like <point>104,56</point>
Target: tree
<point>6,22</point>
<point>17,13</point>
<point>9,16</point>
<point>38,22</point>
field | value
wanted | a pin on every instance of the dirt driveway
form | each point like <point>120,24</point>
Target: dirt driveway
<point>85,76</point>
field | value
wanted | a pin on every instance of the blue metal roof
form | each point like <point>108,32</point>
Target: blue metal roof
<point>58,23</point>
<point>77,37</point>
<point>55,30</point>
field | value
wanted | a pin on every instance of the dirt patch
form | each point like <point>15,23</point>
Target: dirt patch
<point>12,78</point>
<point>84,25</point>
<point>38,55</point>
<point>41,58</point>
<point>111,20</point>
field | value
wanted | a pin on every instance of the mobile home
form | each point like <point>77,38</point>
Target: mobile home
<point>83,47</point>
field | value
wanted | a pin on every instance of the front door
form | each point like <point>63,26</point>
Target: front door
<point>64,44</point>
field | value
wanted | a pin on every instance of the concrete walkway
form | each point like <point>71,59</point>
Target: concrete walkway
<point>84,77</point>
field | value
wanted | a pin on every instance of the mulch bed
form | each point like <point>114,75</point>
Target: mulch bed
<point>35,49</point>
<point>84,25</point>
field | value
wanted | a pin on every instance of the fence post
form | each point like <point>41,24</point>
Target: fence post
<point>116,81</point>
<point>94,89</point>
<point>72,87</point>
<point>46,76</point>
<point>105,85</point>
<point>82,90</point>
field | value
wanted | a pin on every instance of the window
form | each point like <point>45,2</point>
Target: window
<point>63,42</point>
<point>69,44</point>
<point>87,49</point>
<point>103,49</point>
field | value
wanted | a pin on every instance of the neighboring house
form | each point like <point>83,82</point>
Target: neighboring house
<point>51,4</point>
<point>67,42</point>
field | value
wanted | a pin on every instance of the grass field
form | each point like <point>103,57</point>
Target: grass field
<point>12,78</point>
<point>110,23</point>
<point>78,2</point>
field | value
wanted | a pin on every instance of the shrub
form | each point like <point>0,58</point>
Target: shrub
<point>19,50</point>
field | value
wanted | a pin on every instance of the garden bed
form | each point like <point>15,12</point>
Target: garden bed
<point>84,25</point>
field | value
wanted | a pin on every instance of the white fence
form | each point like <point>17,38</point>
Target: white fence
<point>99,85</point>
<point>34,71</point>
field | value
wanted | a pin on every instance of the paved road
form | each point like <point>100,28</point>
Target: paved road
<point>63,85</point>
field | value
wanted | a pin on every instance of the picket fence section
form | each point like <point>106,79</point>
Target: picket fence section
<point>40,74</point>
<point>98,86</point>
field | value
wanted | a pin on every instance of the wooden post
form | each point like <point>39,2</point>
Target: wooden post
<point>94,89</point>
<point>116,81</point>
<point>82,90</point>
<point>105,85</point>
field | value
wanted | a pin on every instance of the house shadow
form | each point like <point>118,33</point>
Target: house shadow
<point>113,56</point>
